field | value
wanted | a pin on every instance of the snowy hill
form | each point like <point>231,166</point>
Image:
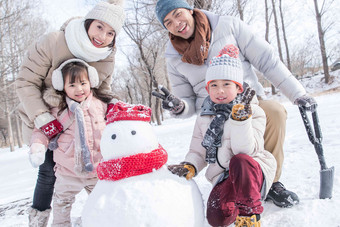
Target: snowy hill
<point>300,170</point>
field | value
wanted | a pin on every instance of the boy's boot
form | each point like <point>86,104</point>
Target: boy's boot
<point>38,218</point>
<point>246,221</point>
<point>281,196</point>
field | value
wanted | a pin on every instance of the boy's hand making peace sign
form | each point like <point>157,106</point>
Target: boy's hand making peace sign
<point>242,111</point>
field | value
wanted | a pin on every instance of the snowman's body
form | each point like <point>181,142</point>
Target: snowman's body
<point>158,198</point>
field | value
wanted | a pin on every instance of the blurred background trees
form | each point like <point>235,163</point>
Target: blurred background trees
<point>306,35</point>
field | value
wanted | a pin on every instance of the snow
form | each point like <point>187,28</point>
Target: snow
<point>300,168</point>
<point>146,199</point>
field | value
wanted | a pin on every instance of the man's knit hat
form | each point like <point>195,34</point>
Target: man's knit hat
<point>110,12</point>
<point>163,7</point>
<point>226,66</point>
<point>57,76</point>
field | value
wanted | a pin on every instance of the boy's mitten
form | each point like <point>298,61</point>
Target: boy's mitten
<point>48,125</point>
<point>170,102</point>
<point>37,154</point>
<point>306,101</point>
<point>181,170</point>
<point>242,111</point>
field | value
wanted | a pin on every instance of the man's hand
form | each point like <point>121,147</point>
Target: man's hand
<point>37,154</point>
<point>169,101</point>
<point>307,102</point>
<point>181,170</point>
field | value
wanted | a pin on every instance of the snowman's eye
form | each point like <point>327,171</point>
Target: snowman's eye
<point>113,136</point>
<point>133,132</point>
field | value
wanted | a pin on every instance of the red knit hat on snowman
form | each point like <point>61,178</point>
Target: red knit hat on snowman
<point>133,165</point>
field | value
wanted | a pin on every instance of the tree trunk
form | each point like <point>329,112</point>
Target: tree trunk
<point>240,9</point>
<point>267,19</point>
<point>202,4</point>
<point>322,42</point>
<point>19,133</point>
<point>277,31</point>
<point>284,36</point>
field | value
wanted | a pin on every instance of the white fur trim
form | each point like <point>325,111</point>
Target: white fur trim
<point>43,119</point>
<point>57,77</point>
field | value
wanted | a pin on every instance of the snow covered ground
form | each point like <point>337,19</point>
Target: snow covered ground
<point>300,170</point>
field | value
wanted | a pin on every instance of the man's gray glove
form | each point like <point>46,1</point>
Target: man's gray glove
<point>169,101</point>
<point>307,102</point>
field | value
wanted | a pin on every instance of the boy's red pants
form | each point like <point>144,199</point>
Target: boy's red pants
<point>239,194</point>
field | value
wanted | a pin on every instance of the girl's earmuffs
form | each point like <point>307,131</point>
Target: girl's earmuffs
<point>57,77</point>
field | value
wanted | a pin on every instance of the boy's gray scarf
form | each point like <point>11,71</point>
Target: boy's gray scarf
<point>82,153</point>
<point>212,138</point>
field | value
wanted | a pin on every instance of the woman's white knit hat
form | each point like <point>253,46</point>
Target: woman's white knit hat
<point>58,80</point>
<point>226,66</point>
<point>110,12</point>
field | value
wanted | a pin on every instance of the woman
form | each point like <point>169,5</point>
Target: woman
<point>91,39</point>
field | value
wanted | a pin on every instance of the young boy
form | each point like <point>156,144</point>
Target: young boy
<point>228,137</point>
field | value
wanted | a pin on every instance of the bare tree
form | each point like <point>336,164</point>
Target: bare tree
<point>143,29</point>
<point>19,28</point>
<point>321,32</point>
<point>284,35</point>
<point>203,4</point>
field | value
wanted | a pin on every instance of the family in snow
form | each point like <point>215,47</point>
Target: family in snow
<point>64,87</point>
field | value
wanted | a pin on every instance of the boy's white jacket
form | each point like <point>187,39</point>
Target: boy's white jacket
<point>187,80</point>
<point>238,137</point>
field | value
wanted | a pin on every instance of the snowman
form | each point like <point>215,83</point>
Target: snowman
<point>135,188</point>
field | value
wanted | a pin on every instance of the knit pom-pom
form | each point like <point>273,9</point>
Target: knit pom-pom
<point>230,50</point>
<point>116,2</point>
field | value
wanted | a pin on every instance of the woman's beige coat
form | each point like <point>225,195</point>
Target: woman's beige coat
<point>35,75</point>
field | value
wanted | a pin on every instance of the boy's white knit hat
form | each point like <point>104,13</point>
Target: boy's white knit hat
<point>110,12</point>
<point>58,80</point>
<point>226,66</point>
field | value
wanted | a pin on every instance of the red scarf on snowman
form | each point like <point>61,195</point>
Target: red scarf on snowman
<point>133,165</point>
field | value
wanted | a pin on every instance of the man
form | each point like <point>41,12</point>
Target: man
<point>195,37</point>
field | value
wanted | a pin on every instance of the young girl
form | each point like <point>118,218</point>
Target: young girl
<point>228,136</point>
<point>91,39</point>
<point>82,114</point>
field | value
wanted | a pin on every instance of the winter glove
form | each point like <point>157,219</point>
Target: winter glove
<point>48,125</point>
<point>37,154</point>
<point>181,170</point>
<point>242,111</point>
<point>307,102</point>
<point>170,102</point>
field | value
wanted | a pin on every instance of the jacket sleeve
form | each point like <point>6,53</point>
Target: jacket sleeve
<point>263,57</point>
<point>196,154</point>
<point>247,136</point>
<point>32,74</point>
<point>105,72</point>
<point>182,89</point>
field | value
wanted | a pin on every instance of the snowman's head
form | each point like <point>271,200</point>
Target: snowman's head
<point>127,132</point>
<point>125,138</point>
